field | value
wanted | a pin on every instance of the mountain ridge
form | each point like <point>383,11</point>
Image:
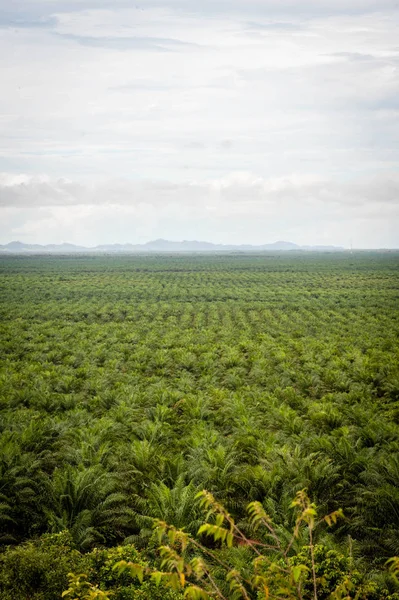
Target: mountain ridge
<point>159,245</point>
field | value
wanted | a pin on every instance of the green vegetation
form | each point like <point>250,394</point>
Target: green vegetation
<point>128,384</point>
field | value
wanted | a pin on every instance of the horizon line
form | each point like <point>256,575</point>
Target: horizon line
<point>291,246</point>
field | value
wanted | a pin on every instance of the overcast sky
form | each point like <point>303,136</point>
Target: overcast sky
<point>232,121</point>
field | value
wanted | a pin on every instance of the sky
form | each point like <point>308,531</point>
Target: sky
<point>229,121</point>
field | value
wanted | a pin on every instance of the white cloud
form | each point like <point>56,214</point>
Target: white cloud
<point>108,100</point>
<point>305,209</point>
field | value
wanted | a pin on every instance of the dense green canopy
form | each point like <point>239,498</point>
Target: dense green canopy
<point>129,383</point>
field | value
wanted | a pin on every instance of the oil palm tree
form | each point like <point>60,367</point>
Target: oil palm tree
<point>92,504</point>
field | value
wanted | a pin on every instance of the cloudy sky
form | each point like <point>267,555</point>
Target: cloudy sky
<point>232,121</point>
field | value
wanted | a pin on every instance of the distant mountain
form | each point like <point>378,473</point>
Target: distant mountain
<point>159,245</point>
<point>281,246</point>
<point>17,247</point>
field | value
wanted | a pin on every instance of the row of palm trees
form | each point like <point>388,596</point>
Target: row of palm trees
<point>102,491</point>
<point>128,385</point>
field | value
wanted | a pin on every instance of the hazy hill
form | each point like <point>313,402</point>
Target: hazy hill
<point>159,245</point>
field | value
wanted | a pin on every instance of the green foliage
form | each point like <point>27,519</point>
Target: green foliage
<point>88,502</point>
<point>129,383</point>
<point>43,569</point>
<point>101,563</point>
<point>38,570</point>
<point>106,570</point>
<point>81,589</point>
<point>271,571</point>
<point>278,570</point>
<point>331,567</point>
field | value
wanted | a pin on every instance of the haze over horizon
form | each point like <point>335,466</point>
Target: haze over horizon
<point>161,245</point>
<point>240,122</point>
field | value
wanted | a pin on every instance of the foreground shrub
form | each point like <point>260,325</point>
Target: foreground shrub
<point>44,570</point>
<point>269,565</point>
<point>39,570</point>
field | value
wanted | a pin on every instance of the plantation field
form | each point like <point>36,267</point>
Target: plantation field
<point>130,383</point>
